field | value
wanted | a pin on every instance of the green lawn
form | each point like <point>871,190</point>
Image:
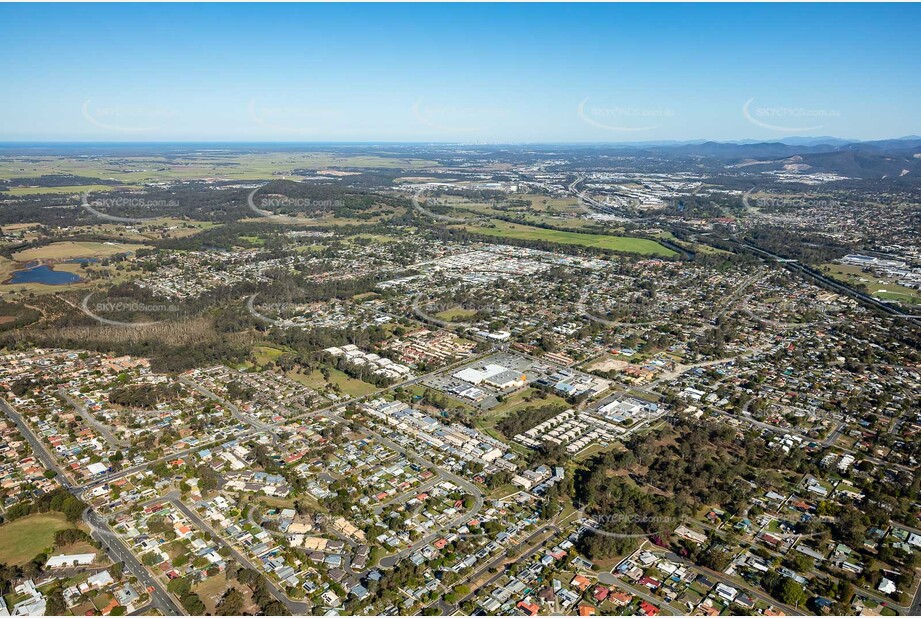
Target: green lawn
<point>517,401</point>
<point>232,166</point>
<point>882,287</point>
<point>73,190</point>
<point>456,314</point>
<point>23,539</point>
<point>348,386</point>
<point>266,354</point>
<point>627,244</point>
<point>255,241</point>
<point>488,420</point>
<point>69,249</point>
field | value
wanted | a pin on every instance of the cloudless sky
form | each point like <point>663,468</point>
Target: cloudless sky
<point>458,72</point>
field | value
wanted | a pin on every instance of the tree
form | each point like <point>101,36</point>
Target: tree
<point>791,593</point>
<point>193,603</point>
<point>231,603</point>
<point>179,586</point>
<point>56,605</point>
<point>715,559</point>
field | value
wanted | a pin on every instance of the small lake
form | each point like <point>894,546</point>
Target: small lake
<point>43,274</point>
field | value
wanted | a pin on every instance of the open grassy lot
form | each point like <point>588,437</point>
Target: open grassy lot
<point>7,266</point>
<point>881,287</point>
<point>326,220</point>
<point>627,244</point>
<point>266,354</point>
<point>530,207</point>
<point>23,539</point>
<point>374,237</point>
<point>552,205</point>
<point>225,165</point>
<point>347,386</point>
<point>155,229</point>
<point>487,421</point>
<point>74,249</point>
<point>517,402</point>
<point>211,590</point>
<point>74,190</point>
<point>456,314</point>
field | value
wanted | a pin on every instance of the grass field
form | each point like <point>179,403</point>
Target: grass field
<point>229,165</point>
<point>488,420</point>
<point>75,189</point>
<point>23,539</point>
<point>255,241</point>
<point>266,354</point>
<point>627,244</point>
<point>73,249</point>
<point>552,205</point>
<point>456,314</point>
<point>7,266</point>
<point>210,591</point>
<point>375,237</point>
<point>347,386</point>
<point>881,287</point>
<point>517,402</point>
<point>538,207</point>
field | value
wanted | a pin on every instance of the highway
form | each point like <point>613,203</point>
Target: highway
<point>813,274</point>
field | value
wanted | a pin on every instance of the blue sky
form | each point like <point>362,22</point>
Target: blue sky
<point>451,72</point>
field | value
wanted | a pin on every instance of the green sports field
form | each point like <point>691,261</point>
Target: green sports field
<point>627,244</point>
<point>25,538</point>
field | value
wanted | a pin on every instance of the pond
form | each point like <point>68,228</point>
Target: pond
<point>43,274</point>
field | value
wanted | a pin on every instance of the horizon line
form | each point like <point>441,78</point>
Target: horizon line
<point>460,143</point>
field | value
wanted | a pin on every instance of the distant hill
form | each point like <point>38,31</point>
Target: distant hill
<point>868,160</point>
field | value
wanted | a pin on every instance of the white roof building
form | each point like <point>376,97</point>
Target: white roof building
<point>62,560</point>
<point>887,586</point>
